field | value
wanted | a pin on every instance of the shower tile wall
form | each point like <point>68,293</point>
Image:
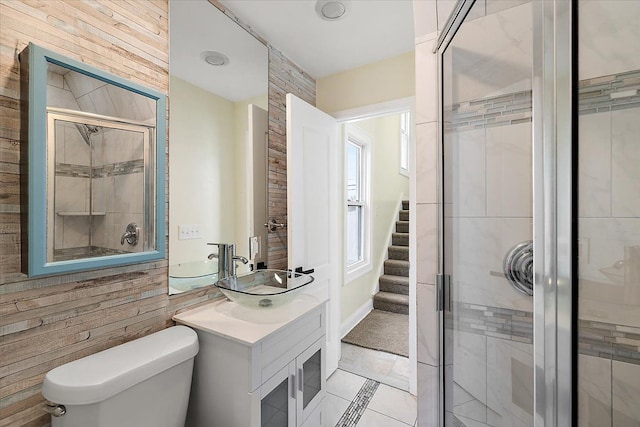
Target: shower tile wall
<point>118,166</point>
<point>609,214</point>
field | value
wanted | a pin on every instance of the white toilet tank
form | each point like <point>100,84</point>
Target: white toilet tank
<point>145,382</point>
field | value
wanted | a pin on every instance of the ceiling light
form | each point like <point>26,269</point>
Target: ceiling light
<point>332,10</point>
<point>216,59</point>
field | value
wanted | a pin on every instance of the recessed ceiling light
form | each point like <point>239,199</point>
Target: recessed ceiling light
<point>214,58</point>
<point>332,10</point>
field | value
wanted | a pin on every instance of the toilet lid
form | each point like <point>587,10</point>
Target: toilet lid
<point>101,375</point>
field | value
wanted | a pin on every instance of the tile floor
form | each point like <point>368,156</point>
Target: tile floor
<point>369,389</point>
<point>382,367</point>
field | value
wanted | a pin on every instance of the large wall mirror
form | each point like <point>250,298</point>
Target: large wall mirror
<point>218,127</point>
<point>96,167</point>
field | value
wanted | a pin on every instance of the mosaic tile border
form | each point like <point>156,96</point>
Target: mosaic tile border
<point>119,168</point>
<point>355,410</point>
<point>609,341</point>
<point>595,95</point>
<point>600,94</point>
<point>600,339</point>
<point>72,170</point>
<point>113,169</point>
<point>502,110</point>
<point>496,322</point>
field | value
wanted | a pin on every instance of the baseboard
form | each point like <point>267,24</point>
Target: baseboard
<point>355,318</point>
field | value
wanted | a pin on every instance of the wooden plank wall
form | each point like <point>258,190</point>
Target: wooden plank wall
<point>284,77</point>
<point>50,321</point>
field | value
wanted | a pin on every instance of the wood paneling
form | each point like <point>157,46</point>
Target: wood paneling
<point>46,322</point>
<point>284,77</point>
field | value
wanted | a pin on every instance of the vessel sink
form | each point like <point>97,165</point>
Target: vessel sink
<point>264,288</point>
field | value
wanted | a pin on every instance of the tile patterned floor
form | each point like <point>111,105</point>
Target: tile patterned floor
<point>370,389</point>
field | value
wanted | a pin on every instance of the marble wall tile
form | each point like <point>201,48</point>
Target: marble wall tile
<point>72,194</point>
<point>608,37</point>
<point>509,186</point>
<point>86,103</point>
<point>76,232</point>
<point>60,98</point>
<point>54,79</point>
<point>594,391</point>
<point>594,164</point>
<point>428,326</point>
<point>606,239</point>
<point>99,191</point>
<point>426,67</point>
<point>427,162</point>
<point>465,178</point>
<point>625,169</point>
<point>426,246</point>
<point>509,382</point>
<point>82,84</point>
<point>428,389</point>
<point>469,362</point>
<point>128,193</point>
<point>76,150</point>
<point>103,103</point>
<point>625,390</point>
<point>478,249</point>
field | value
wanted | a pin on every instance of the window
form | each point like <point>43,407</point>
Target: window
<point>405,126</point>
<point>355,204</point>
<point>357,210</point>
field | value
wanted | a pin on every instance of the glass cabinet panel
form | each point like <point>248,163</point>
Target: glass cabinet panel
<point>312,378</point>
<point>274,408</point>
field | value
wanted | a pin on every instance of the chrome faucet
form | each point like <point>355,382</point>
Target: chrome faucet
<point>227,259</point>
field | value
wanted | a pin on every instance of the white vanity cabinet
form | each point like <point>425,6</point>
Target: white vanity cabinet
<point>258,368</point>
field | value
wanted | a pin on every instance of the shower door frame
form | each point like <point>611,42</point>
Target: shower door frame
<point>554,207</point>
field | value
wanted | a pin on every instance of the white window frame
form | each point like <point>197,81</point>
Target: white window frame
<point>405,141</point>
<point>355,135</point>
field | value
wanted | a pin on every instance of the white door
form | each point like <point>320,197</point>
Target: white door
<point>257,178</point>
<point>314,196</point>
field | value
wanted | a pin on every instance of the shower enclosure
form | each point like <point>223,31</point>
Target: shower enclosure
<point>540,218</point>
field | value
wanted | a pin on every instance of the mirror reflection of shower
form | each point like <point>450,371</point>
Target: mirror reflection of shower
<point>99,180</point>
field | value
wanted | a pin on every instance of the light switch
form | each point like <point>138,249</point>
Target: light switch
<point>191,231</point>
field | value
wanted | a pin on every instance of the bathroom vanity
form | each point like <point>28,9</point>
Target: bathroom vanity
<point>258,367</point>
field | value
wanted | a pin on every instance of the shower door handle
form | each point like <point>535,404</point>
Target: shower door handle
<point>443,292</point>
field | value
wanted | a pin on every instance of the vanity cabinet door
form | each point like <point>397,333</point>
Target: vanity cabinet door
<point>311,366</point>
<point>278,403</point>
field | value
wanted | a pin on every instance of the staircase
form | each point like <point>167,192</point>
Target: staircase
<point>394,283</point>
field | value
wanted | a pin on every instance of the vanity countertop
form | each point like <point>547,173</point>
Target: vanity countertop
<point>246,325</point>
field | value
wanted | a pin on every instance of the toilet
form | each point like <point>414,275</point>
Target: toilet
<point>145,382</point>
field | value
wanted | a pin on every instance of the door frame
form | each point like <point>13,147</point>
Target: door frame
<point>386,108</point>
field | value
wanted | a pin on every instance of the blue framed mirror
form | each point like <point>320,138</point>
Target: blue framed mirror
<point>96,167</point>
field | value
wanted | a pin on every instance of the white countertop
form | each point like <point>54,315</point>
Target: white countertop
<point>243,324</point>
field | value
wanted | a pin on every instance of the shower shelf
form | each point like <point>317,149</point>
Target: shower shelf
<point>81,213</point>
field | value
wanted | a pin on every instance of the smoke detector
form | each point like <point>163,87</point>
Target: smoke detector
<point>332,10</point>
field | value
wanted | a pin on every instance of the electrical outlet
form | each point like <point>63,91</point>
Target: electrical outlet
<point>186,232</point>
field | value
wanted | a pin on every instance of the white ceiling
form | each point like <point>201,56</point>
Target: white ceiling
<point>371,31</point>
<point>196,26</point>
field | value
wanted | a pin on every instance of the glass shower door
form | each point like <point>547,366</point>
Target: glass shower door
<point>487,179</point>
<point>608,146</point>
